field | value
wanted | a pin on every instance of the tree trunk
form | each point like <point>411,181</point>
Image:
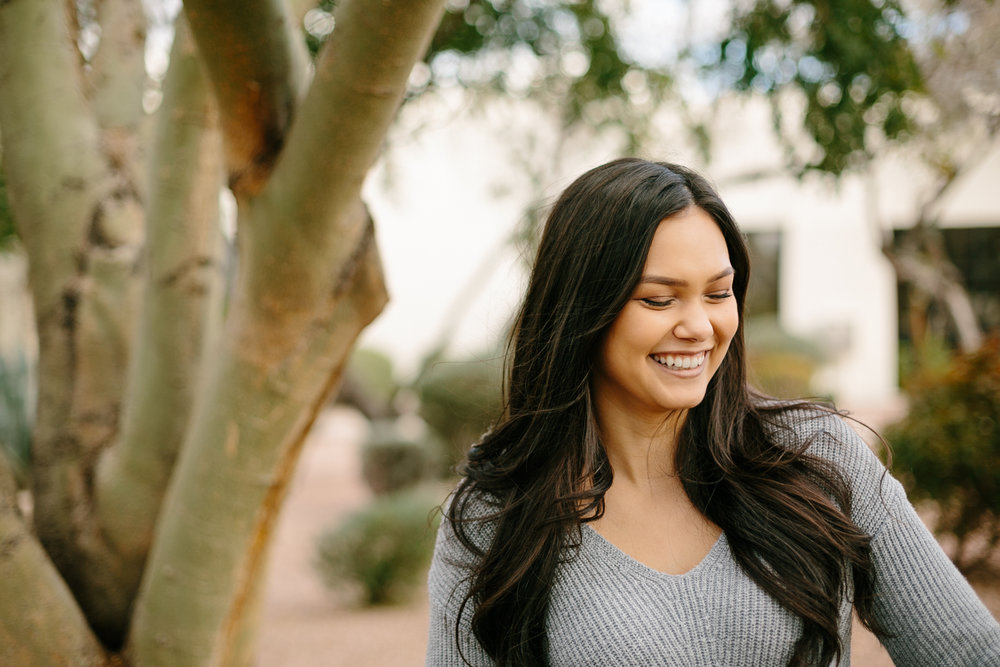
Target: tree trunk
<point>183,269</point>
<point>166,437</point>
<point>310,281</point>
<point>80,219</point>
<point>40,622</point>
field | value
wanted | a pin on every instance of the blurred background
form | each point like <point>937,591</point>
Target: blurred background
<point>855,142</point>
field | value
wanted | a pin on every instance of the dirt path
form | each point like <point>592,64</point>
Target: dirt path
<point>304,624</point>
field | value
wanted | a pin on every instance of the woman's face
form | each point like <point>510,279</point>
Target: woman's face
<point>671,337</point>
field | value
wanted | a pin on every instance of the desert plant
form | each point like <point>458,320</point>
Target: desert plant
<point>947,450</point>
<point>460,400</point>
<point>383,549</point>
<point>392,461</point>
<point>369,384</point>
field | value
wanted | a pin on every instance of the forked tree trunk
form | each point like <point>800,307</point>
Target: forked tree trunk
<point>165,444</point>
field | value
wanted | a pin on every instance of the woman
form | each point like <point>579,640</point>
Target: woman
<point>637,504</point>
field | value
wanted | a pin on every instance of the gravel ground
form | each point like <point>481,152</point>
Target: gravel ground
<point>304,624</point>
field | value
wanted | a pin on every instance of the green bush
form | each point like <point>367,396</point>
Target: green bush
<point>383,549</point>
<point>460,400</point>
<point>369,384</point>
<point>391,462</point>
<point>947,450</point>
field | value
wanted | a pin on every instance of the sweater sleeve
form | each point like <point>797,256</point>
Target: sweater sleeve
<point>450,642</point>
<point>933,613</point>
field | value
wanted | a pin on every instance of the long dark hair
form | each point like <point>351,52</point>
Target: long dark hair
<point>543,469</point>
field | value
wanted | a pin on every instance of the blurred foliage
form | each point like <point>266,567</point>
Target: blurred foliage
<point>780,364</point>
<point>383,549</point>
<point>863,68</point>
<point>8,233</point>
<point>391,461</point>
<point>16,414</point>
<point>930,356</point>
<point>562,54</point>
<point>369,384</point>
<point>947,450</point>
<point>375,368</point>
<point>461,400</point>
<point>850,59</point>
<point>571,49</point>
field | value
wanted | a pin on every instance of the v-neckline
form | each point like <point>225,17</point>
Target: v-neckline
<point>621,557</point>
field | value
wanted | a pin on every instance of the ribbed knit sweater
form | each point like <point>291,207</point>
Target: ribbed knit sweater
<point>608,609</point>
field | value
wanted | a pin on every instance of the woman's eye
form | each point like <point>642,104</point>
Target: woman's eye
<point>719,296</point>
<point>657,302</point>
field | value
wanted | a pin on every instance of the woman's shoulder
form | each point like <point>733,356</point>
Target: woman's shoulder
<point>470,503</point>
<point>471,511</point>
<point>465,532</point>
<point>817,429</point>
<point>831,438</point>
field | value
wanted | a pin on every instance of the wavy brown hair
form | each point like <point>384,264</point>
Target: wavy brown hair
<point>544,471</point>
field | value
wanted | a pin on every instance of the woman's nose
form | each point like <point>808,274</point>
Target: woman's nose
<point>694,324</point>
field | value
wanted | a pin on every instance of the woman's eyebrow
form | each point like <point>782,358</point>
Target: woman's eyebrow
<point>677,282</point>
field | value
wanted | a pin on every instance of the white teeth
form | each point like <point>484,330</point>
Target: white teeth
<point>680,361</point>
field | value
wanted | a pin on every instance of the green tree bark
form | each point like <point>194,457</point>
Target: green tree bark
<point>79,217</point>
<point>291,324</point>
<point>182,289</point>
<point>165,437</point>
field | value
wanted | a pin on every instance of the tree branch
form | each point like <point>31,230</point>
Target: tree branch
<point>50,155</point>
<point>933,278</point>
<point>82,234</point>
<point>202,579</point>
<point>361,77</point>
<point>182,290</point>
<point>256,68</point>
<point>118,68</point>
<point>927,266</point>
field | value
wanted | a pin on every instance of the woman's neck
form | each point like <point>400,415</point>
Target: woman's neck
<point>641,450</point>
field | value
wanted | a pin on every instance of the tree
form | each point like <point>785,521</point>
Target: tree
<point>167,408</point>
<point>173,400</point>
<point>920,76</point>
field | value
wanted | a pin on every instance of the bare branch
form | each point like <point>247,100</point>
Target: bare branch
<point>256,69</point>
<point>182,289</point>
<point>934,279</point>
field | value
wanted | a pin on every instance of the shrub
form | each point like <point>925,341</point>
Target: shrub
<point>947,450</point>
<point>391,461</point>
<point>460,400</point>
<point>369,384</point>
<point>383,549</point>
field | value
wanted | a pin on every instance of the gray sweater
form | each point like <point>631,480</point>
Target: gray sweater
<point>608,609</point>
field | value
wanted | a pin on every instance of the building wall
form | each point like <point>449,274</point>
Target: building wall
<point>835,286</point>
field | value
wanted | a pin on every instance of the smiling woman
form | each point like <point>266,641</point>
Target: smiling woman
<point>672,335</point>
<point>637,503</point>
